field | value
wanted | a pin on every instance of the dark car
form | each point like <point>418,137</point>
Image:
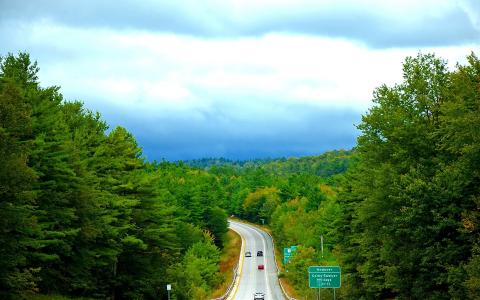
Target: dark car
<point>248,254</point>
<point>259,253</point>
<point>259,296</point>
<point>261,267</point>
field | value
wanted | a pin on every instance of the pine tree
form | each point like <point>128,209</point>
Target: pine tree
<point>18,226</point>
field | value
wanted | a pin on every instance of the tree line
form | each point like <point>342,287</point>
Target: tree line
<point>324,165</point>
<point>82,213</point>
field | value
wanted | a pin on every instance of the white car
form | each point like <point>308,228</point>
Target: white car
<point>259,296</point>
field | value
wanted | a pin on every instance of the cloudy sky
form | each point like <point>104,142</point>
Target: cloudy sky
<point>233,78</point>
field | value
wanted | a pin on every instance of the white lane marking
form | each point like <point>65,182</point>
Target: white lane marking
<point>251,228</point>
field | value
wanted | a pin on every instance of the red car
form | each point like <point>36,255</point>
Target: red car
<point>261,267</point>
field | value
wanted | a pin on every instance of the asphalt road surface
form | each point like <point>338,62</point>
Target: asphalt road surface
<point>252,279</point>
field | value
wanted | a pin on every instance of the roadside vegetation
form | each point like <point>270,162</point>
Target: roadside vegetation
<point>228,261</point>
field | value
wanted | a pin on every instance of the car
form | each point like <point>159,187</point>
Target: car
<point>259,253</point>
<point>248,254</point>
<point>261,267</point>
<point>259,296</point>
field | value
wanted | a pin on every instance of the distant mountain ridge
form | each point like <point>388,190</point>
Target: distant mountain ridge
<point>325,165</point>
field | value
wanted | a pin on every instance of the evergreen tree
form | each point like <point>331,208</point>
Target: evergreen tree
<point>18,227</point>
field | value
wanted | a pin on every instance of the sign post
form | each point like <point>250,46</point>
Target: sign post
<point>321,243</point>
<point>169,288</point>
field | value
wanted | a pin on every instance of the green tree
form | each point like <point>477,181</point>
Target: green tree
<point>18,226</point>
<point>261,204</point>
<point>405,204</point>
<point>197,273</point>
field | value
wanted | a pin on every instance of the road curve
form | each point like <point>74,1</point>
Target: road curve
<point>253,280</point>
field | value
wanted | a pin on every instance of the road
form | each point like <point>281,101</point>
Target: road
<point>251,279</point>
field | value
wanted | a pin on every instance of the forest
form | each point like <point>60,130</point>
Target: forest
<point>83,214</point>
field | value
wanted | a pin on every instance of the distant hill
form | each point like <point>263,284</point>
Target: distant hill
<point>324,165</point>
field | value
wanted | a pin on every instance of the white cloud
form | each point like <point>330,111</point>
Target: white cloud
<point>164,72</point>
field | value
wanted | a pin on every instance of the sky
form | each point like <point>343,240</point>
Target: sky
<point>229,78</point>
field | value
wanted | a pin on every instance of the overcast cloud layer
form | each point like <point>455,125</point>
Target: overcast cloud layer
<point>373,22</point>
<point>238,79</point>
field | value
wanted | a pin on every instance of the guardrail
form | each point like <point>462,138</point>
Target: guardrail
<point>234,277</point>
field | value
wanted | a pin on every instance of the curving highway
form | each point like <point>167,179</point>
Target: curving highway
<point>251,279</point>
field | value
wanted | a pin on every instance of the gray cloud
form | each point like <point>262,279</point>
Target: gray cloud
<point>376,28</point>
<point>311,131</point>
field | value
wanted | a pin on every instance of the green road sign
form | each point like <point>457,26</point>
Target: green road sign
<point>324,277</point>
<point>287,252</point>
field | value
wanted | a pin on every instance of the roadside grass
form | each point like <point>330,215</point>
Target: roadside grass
<point>228,261</point>
<point>279,258</point>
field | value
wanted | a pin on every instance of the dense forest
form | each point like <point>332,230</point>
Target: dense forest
<point>410,209</point>
<point>83,214</point>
